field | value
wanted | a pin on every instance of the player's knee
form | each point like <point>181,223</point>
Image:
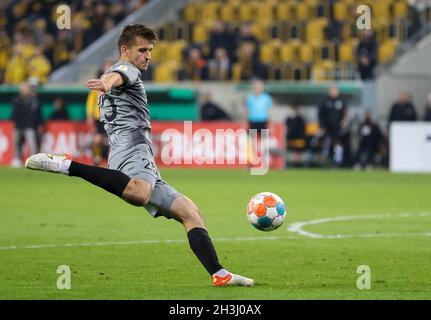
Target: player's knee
<point>137,192</point>
<point>187,212</point>
<point>195,216</point>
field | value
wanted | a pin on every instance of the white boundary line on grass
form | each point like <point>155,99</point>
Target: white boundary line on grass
<point>123,243</point>
<point>297,227</point>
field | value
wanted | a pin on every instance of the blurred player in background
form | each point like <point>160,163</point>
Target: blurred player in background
<point>27,119</point>
<point>133,174</point>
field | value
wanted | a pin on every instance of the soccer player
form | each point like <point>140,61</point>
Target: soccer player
<point>132,173</point>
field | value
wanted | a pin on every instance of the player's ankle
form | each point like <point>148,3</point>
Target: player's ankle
<point>64,166</point>
<point>221,273</point>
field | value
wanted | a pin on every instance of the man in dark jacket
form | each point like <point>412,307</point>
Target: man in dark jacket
<point>334,129</point>
<point>403,109</point>
<point>60,112</point>
<point>366,54</point>
<point>212,112</point>
<point>26,115</point>
<point>370,139</point>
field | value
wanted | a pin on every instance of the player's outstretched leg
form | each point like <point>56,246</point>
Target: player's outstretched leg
<point>186,212</point>
<point>135,192</point>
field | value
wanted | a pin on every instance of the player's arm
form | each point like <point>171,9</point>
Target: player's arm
<point>106,82</point>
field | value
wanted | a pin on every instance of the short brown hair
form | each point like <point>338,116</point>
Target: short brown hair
<point>131,31</point>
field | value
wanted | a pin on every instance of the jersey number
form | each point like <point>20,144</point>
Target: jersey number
<point>112,105</point>
<point>150,165</point>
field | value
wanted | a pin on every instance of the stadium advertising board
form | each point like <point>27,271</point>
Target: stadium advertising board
<point>190,144</point>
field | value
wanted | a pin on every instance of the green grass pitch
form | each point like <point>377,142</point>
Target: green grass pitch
<point>117,251</point>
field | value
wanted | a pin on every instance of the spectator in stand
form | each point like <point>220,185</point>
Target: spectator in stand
<point>195,67</point>
<point>334,31</point>
<point>220,38</point>
<point>97,19</point>
<point>211,111</point>
<point>117,12</point>
<point>366,54</point>
<point>60,112</point>
<point>295,134</point>
<point>219,68</point>
<point>4,52</point>
<point>246,36</point>
<point>427,116</point>
<point>334,129</point>
<point>370,140</point>
<point>403,109</point>
<point>258,103</point>
<point>249,65</point>
<point>63,48</point>
<point>16,68</point>
<point>27,118</point>
<point>38,66</point>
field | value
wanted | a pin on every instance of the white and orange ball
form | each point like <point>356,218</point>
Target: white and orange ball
<point>266,211</point>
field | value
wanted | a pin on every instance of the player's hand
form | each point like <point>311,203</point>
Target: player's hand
<point>97,84</point>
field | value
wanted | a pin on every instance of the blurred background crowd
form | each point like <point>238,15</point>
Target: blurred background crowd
<point>229,41</point>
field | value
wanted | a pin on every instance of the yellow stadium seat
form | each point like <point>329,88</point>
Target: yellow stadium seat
<point>400,9</point>
<point>302,11</point>
<point>200,33</point>
<point>285,11</point>
<point>324,70</point>
<point>346,52</point>
<point>159,51</point>
<point>341,11</point>
<point>264,11</point>
<point>247,11</point>
<point>166,72</point>
<point>175,50</point>
<point>387,50</point>
<point>211,10</point>
<point>261,30</point>
<point>306,53</point>
<point>315,30</point>
<point>269,51</point>
<point>381,9</point>
<point>229,12</point>
<point>289,51</point>
<point>236,72</point>
<point>192,12</point>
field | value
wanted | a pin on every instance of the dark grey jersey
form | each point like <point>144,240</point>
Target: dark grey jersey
<point>124,110</point>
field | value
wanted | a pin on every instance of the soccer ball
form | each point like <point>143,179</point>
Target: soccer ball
<point>266,211</point>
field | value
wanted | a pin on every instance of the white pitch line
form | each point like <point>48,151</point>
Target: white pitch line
<point>137,242</point>
<point>297,227</point>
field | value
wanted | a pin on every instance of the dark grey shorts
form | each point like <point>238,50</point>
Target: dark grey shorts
<point>138,163</point>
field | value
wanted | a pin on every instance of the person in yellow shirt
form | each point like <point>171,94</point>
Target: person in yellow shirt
<point>39,67</point>
<point>15,70</point>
